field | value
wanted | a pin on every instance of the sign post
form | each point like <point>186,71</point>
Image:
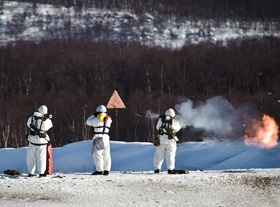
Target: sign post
<point>115,102</point>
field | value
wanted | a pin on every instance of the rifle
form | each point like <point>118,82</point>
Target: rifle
<point>148,114</point>
<point>171,134</point>
<point>32,126</point>
<point>46,116</point>
<point>140,114</point>
<point>169,121</point>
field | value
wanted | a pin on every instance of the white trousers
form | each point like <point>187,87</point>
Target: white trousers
<point>102,158</point>
<point>168,150</point>
<point>36,155</point>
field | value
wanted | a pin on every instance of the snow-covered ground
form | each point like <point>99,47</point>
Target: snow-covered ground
<point>222,173</point>
<point>22,21</point>
<point>209,188</point>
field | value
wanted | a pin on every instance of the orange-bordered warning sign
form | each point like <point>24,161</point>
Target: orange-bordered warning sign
<point>115,101</point>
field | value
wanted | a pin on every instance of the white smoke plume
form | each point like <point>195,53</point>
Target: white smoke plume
<point>151,114</point>
<point>216,116</point>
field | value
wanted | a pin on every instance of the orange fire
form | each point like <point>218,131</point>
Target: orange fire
<point>261,133</point>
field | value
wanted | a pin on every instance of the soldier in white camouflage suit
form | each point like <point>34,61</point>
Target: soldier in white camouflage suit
<point>39,124</point>
<point>167,127</point>
<point>101,124</point>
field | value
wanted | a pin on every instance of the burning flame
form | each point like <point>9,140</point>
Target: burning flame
<point>261,133</point>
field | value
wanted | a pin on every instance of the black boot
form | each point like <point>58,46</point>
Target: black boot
<point>178,171</point>
<point>97,173</point>
<point>42,175</point>
<point>106,172</point>
<point>172,172</point>
<point>157,171</point>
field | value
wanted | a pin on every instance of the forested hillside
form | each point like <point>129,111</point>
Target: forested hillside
<point>74,75</point>
<point>197,9</point>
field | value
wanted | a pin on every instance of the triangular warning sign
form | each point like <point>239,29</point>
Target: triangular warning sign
<point>115,101</point>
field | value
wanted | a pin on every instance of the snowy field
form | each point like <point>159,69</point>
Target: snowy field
<point>221,174</point>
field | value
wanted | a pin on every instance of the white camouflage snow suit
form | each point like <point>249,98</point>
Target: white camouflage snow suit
<point>101,123</point>
<point>168,145</point>
<point>37,147</point>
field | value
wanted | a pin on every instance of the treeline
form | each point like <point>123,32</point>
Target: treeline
<point>193,9</point>
<point>72,77</point>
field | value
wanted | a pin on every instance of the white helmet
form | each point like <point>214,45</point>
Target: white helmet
<point>43,109</point>
<point>101,108</point>
<point>170,112</point>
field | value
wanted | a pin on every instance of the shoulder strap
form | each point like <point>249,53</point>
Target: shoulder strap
<point>165,127</point>
<point>34,130</point>
<point>104,127</point>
